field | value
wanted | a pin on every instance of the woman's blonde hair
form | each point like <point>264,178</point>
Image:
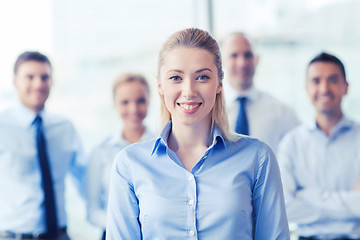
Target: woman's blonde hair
<point>197,38</point>
<point>129,77</point>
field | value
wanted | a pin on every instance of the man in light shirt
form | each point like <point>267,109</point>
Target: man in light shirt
<point>267,118</point>
<point>37,149</point>
<point>320,161</point>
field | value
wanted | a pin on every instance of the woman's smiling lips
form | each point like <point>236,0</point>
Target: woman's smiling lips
<point>189,108</point>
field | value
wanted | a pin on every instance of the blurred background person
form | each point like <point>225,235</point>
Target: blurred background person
<point>131,101</point>
<point>251,111</point>
<point>37,149</point>
<point>320,161</point>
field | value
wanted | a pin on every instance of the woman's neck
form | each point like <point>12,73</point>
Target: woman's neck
<point>133,134</point>
<point>189,142</point>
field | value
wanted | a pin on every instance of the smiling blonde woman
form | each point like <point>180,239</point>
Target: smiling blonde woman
<point>196,180</point>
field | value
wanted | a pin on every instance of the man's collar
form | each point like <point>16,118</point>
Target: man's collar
<point>251,93</point>
<point>232,94</point>
<point>26,116</point>
<point>343,124</point>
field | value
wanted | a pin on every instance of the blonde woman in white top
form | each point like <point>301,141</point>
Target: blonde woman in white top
<point>131,100</point>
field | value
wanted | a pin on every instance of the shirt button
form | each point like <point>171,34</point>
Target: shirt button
<point>191,202</point>
<point>192,233</point>
<point>191,178</point>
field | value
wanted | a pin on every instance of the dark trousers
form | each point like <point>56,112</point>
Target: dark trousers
<point>104,235</point>
<point>315,238</point>
<point>12,236</point>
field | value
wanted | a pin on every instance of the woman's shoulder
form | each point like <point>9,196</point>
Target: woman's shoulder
<point>250,147</point>
<point>246,141</point>
<point>133,156</point>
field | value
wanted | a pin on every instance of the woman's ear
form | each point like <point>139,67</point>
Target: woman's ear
<point>161,92</point>
<point>218,90</point>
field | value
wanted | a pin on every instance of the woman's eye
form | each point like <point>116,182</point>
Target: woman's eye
<point>203,77</point>
<point>125,102</point>
<point>175,78</point>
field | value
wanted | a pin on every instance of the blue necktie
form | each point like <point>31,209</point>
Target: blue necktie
<point>47,183</point>
<point>242,125</point>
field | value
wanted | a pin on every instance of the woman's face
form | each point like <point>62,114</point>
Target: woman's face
<point>189,83</point>
<point>132,101</point>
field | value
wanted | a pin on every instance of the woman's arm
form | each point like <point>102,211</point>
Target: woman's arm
<point>123,205</point>
<point>268,199</point>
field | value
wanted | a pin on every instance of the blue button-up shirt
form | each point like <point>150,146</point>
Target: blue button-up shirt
<point>233,192</point>
<point>319,174</point>
<point>21,194</point>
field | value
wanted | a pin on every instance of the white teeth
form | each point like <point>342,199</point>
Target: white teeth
<point>189,107</point>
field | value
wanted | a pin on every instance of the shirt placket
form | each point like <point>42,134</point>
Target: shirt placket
<point>192,200</point>
<point>191,206</point>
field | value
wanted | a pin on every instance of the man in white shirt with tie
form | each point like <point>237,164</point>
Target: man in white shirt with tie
<point>37,149</point>
<point>265,117</point>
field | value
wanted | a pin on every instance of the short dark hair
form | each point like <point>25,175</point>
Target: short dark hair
<point>30,56</point>
<point>328,58</point>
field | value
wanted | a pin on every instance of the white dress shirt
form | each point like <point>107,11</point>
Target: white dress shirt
<point>22,199</point>
<point>269,119</point>
<point>98,175</point>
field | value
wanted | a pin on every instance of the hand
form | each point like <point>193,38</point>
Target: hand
<point>357,186</point>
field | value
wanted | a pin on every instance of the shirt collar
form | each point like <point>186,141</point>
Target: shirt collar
<point>118,139</point>
<point>218,139</point>
<point>161,142</point>
<point>343,124</point>
<point>251,94</point>
<point>26,116</point>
